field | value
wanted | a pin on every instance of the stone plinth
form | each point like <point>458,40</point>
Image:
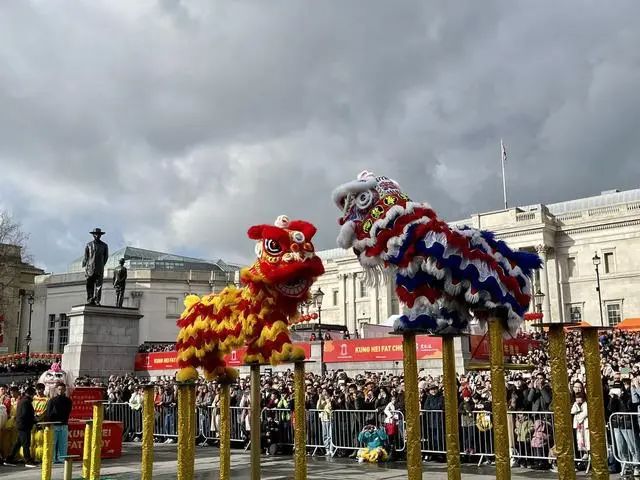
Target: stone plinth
<point>103,341</point>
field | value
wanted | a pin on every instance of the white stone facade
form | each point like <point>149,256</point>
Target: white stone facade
<point>566,235</point>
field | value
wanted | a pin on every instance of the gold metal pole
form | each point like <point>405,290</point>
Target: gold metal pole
<point>300,434</point>
<point>185,437</point>
<point>595,404</point>
<point>192,431</point>
<point>499,397</point>
<point>148,421</point>
<point>47,451</point>
<point>96,441</point>
<point>255,421</point>
<point>225,433</point>
<point>451,407</point>
<point>563,425</point>
<point>86,449</point>
<point>412,406</point>
<point>68,469</point>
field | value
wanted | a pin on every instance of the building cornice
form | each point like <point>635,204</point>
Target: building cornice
<point>600,227</point>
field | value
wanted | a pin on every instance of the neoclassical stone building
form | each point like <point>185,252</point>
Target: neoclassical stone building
<point>567,235</point>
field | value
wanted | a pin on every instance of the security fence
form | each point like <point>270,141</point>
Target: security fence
<point>531,434</point>
<point>625,435</point>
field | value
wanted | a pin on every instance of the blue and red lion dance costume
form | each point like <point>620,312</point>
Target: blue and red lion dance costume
<point>443,274</point>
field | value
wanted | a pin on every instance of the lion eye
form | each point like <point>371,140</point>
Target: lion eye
<point>364,200</point>
<point>272,246</point>
<point>297,237</point>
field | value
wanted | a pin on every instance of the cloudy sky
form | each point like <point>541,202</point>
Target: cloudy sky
<point>174,125</point>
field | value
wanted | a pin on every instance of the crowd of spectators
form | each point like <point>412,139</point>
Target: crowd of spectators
<point>382,395</point>
<point>35,367</point>
<point>156,347</point>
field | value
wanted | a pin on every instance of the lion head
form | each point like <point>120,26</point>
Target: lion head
<point>287,263</point>
<point>367,204</point>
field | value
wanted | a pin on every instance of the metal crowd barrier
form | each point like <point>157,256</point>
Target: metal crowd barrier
<point>625,440</point>
<point>347,424</point>
<point>531,434</point>
<point>166,419</point>
<point>131,419</point>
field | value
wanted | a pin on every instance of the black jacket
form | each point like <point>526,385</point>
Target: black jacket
<point>58,409</point>
<point>96,254</point>
<point>25,415</point>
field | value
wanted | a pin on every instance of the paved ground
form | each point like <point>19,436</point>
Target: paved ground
<point>273,468</point>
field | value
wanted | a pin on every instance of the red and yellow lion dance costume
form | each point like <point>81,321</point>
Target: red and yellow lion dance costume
<point>256,315</point>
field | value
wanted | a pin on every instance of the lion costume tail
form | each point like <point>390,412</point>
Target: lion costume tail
<point>209,329</point>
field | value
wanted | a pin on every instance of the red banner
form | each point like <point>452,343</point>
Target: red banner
<point>169,360</point>
<point>379,349</point>
<point>80,409</point>
<point>111,438</point>
<point>479,346</point>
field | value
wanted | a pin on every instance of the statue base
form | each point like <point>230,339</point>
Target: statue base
<point>101,340</point>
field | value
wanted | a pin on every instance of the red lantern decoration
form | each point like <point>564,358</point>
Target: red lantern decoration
<point>314,316</point>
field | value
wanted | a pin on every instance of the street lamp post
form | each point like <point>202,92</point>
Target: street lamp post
<point>596,263</point>
<point>317,301</point>
<point>30,301</point>
<point>539,297</point>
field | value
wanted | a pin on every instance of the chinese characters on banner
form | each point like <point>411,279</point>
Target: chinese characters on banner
<point>169,360</point>
<point>80,409</point>
<point>379,349</point>
<point>111,438</point>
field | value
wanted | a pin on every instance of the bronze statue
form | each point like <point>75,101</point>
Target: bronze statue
<point>119,282</point>
<point>96,254</point>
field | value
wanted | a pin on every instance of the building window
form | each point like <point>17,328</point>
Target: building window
<point>363,289</point>
<point>63,332</point>
<point>51,333</point>
<point>572,270</point>
<point>614,313</point>
<point>575,313</point>
<point>609,263</point>
<point>395,304</point>
<point>334,295</point>
<point>172,307</point>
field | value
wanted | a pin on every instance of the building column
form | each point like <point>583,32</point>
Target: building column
<point>543,251</point>
<point>342,281</point>
<point>354,290</point>
<point>376,305</point>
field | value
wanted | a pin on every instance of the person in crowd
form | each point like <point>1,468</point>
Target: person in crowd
<point>625,442</point>
<point>524,429</point>
<point>467,423</point>
<point>325,414</point>
<point>25,420</point>
<point>581,424</point>
<point>539,394</point>
<point>40,401</point>
<point>59,410</point>
<point>168,403</point>
<point>374,440</point>
<point>135,406</point>
<point>434,418</point>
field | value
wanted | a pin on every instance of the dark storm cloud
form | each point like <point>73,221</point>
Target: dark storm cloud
<point>175,124</point>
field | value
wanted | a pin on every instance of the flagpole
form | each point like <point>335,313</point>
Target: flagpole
<point>504,178</point>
